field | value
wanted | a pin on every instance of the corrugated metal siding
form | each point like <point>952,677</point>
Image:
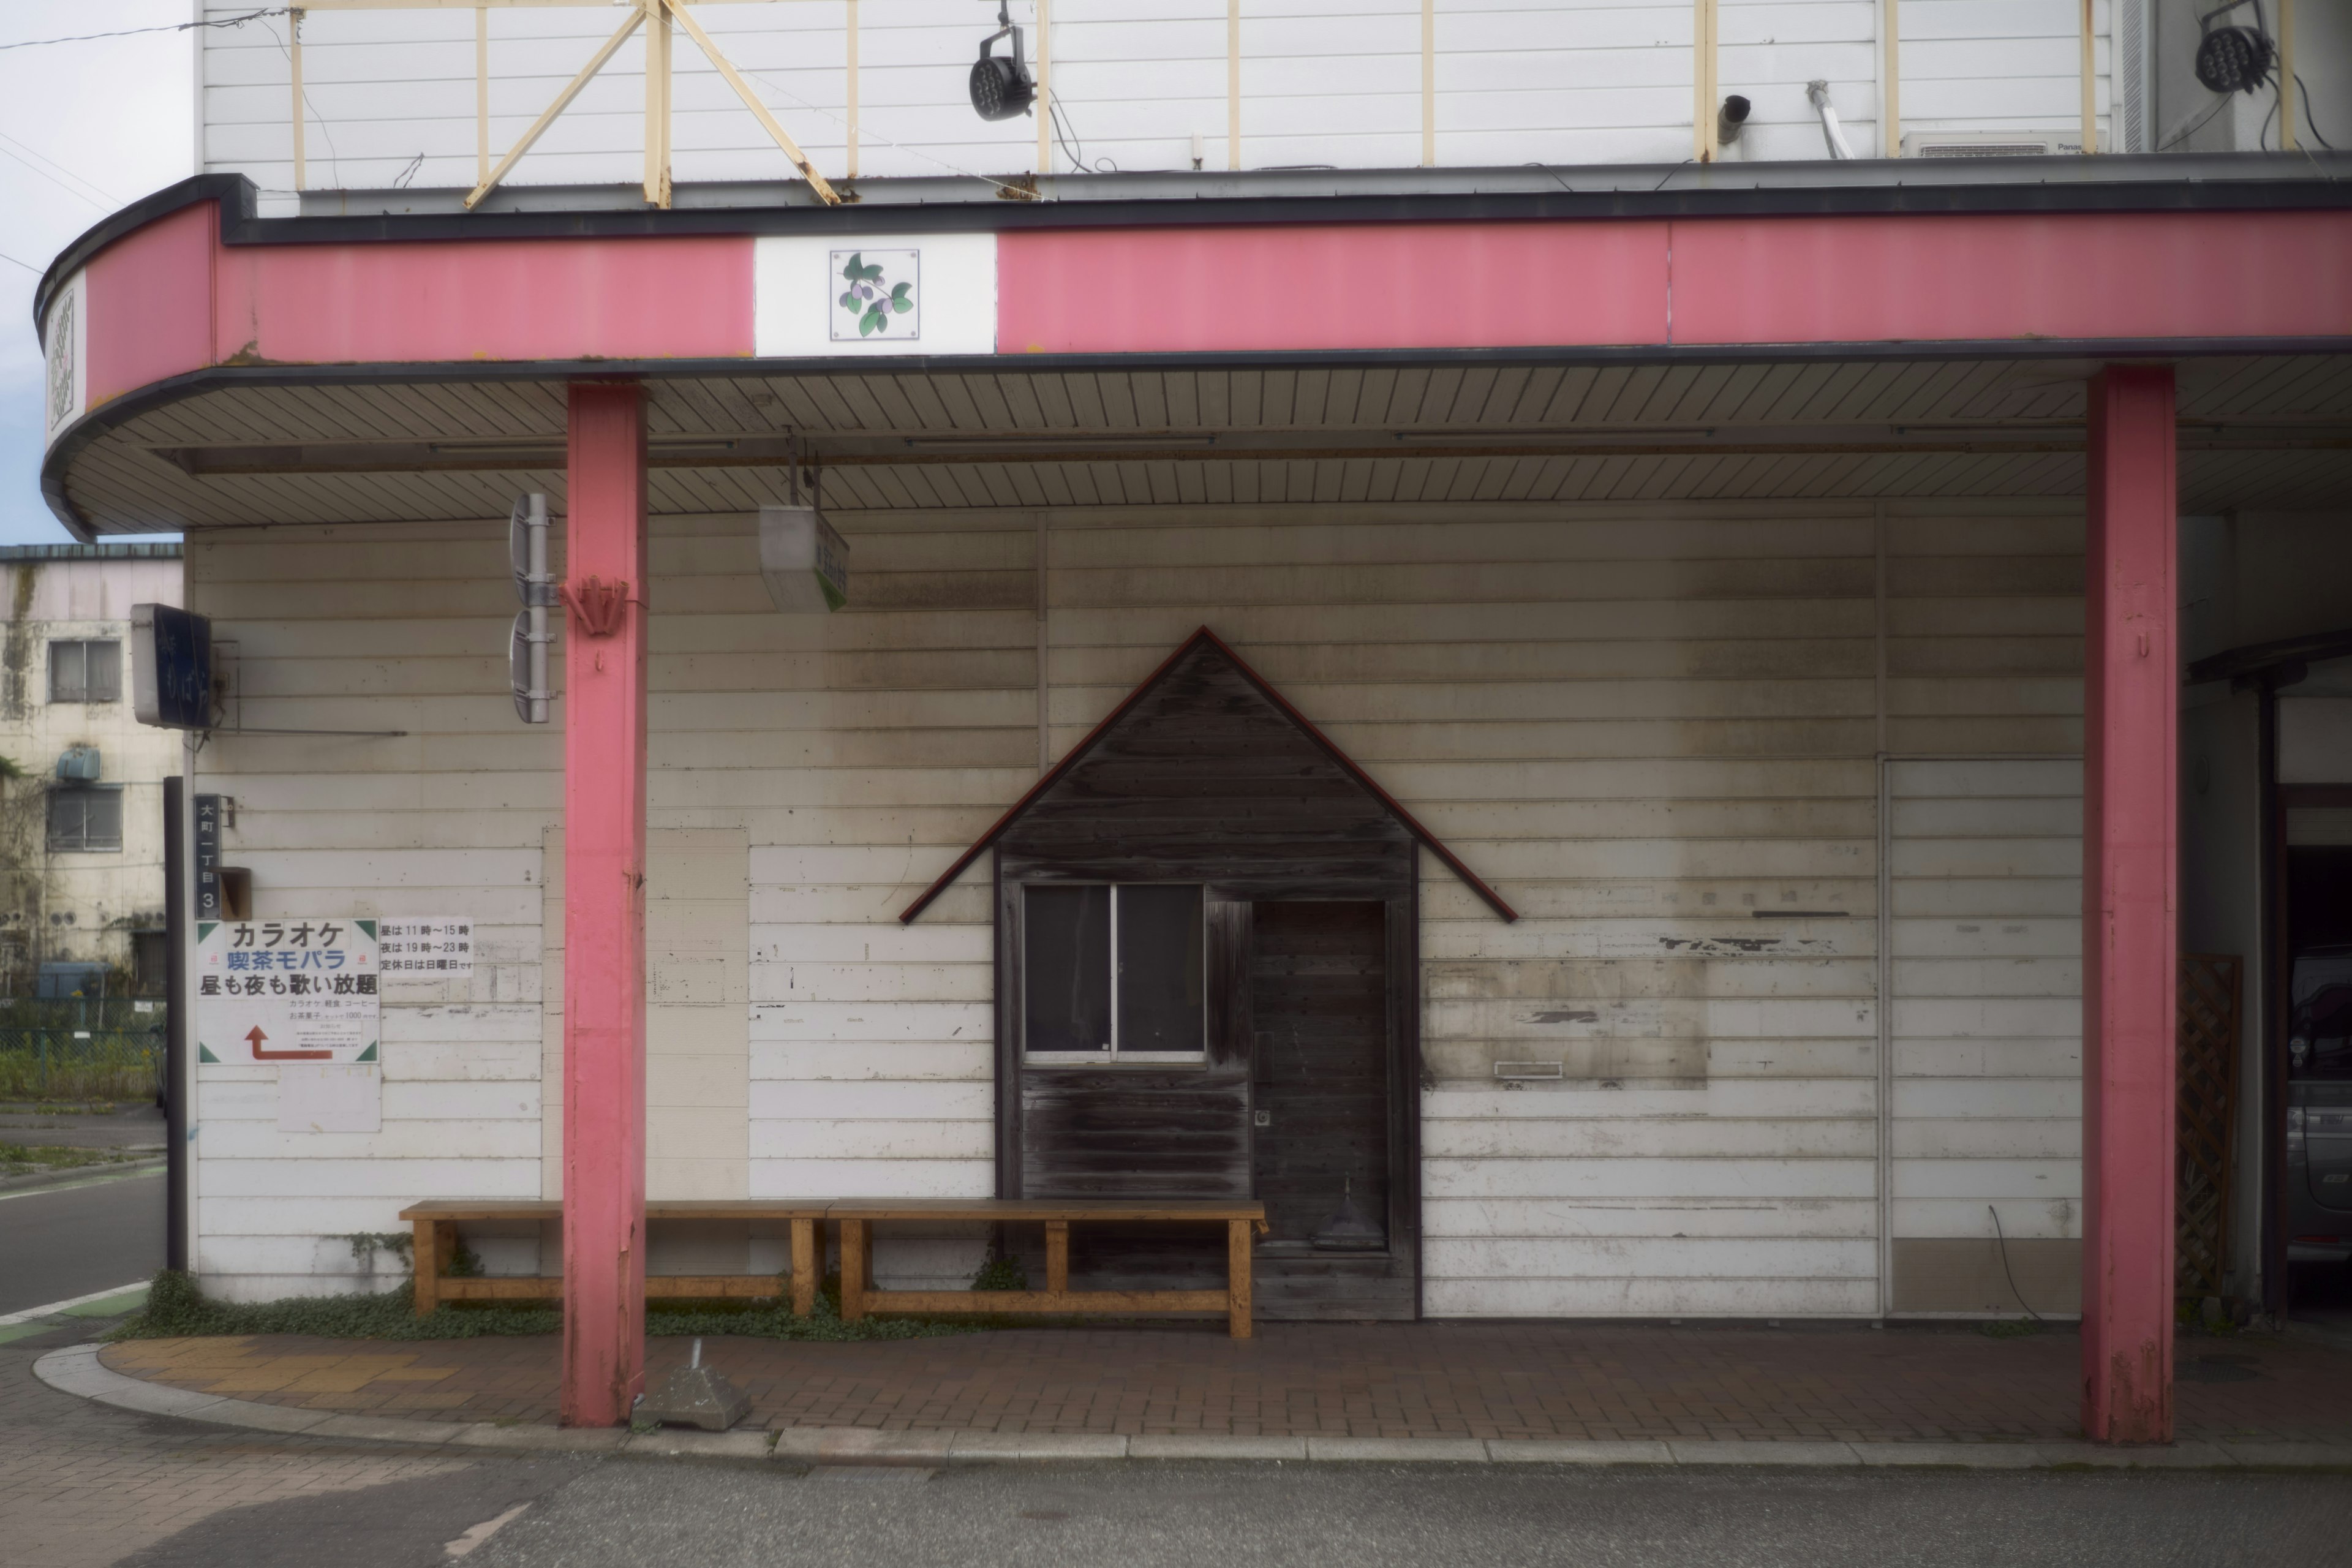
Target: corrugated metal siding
<point>1650,726</point>
<point>1323,82</point>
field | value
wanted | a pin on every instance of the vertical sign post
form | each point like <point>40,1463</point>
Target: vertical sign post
<point>179,1075</point>
<point>172,689</point>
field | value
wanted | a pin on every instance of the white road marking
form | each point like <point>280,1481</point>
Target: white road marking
<point>29,1314</point>
<point>483,1531</point>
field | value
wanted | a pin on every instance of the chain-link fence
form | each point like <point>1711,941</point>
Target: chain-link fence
<point>110,1048</point>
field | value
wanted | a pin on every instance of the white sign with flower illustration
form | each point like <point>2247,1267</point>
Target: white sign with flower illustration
<point>819,297</point>
<point>880,293</point>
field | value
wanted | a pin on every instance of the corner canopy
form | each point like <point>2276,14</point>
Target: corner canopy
<point>1199,640</point>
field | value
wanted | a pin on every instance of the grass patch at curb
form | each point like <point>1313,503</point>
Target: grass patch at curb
<point>31,1158</point>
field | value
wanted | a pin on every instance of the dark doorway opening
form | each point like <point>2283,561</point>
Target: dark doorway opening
<point>1318,1000</point>
<point>2318,1027</point>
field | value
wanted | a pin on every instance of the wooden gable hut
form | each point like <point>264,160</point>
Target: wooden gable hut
<point>1207,965</point>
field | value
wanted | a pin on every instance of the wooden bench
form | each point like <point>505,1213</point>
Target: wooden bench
<point>436,1221</point>
<point>1244,1221</point>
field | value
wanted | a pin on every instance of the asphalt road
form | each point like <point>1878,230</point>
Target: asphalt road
<point>627,1513</point>
<point>57,1243</point>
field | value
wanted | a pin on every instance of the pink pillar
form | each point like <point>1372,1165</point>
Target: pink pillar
<point>604,908</point>
<point>2131,700</point>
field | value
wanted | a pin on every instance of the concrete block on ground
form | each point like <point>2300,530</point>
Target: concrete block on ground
<point>695,1395</point>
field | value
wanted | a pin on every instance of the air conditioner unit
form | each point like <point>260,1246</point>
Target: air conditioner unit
<point>78,764</point>
<point>1991,144</point>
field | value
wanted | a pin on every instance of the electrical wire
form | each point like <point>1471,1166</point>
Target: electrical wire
<point>32,159</point>
<point>1065,133</point>
<point>2219,104</point>
<point>133,32</point>
<point>2004,1263</point>
<point>36,271</point>
<point>2304,93</point>
<point>334,163</point>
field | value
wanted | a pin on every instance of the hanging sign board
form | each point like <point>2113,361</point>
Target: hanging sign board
<point>804,563</point>
<point>285,991</point>
<point>435,947</point>
<point>170,668</point>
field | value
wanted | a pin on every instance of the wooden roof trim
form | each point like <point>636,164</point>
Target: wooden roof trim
<point>1330,747</point>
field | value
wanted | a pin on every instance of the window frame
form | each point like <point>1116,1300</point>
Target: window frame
<point>82,646</point>
<point>1114,1056</point>
<point>82,793</point>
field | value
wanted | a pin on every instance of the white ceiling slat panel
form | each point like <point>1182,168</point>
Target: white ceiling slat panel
<point>127,480</point>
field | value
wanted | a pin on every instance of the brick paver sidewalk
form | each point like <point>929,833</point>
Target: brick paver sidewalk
<point>1550,1380</point>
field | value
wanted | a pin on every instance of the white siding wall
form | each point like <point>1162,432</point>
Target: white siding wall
<point>1335,82</point>
<point>398,629</point>
<point>1650,726</point>
<point>1988,1014</point>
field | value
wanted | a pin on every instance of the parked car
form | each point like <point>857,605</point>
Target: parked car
<point>2319,1105</point>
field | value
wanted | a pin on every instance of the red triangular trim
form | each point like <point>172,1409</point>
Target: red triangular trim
<point>1079,753</point>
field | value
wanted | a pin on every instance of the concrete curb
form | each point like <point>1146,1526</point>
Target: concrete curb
<point>77,1370</point>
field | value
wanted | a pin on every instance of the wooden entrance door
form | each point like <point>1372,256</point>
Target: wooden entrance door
<point>1319,1099</point>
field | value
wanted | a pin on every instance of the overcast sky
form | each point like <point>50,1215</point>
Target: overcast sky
<point>85,128</point>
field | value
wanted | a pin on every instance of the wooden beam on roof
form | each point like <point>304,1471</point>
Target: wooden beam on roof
<point>294,75</point>
<point>658,105</point>
<point>751,101</point>
<point>563,101</point>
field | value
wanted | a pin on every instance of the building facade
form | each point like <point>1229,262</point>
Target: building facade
<point>82,814</point>
<point>1611,726</point>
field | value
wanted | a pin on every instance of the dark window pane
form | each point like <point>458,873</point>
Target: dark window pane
<point>103,671</point>
<point>82,820</point>
<point>1066,945</point>
<point>67,672</point>
<point>102,819</point>
<point>1160,968</point>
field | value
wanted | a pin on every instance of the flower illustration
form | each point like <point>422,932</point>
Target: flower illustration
<point>870,298</point>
